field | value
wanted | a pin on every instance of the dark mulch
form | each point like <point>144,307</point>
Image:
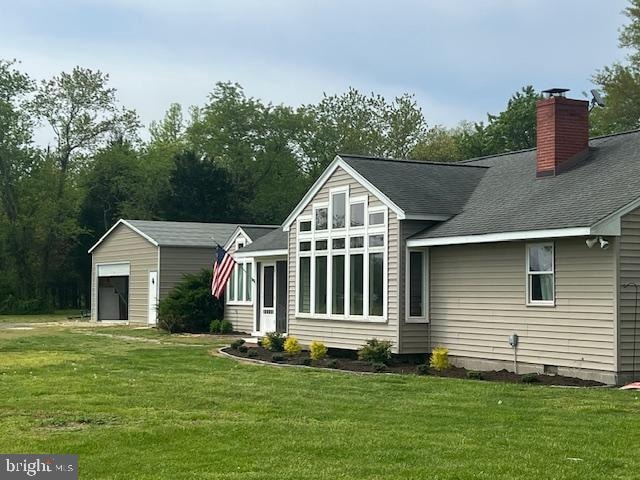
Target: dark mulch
<point>342,360</point>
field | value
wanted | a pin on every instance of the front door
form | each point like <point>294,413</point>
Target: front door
<point>268,298</point>
<point>153,298</point>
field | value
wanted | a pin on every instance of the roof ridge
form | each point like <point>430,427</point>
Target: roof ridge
<point>513,152</point>
<point>408,160</point>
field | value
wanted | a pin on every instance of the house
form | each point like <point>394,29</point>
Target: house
<point>137,263</point>
<point>538,245</point>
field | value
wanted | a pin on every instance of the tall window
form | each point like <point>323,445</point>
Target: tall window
<point>540,274</point>
<point>416,283</point>
<point>304,285</point>
<point>240,286</point>
<point>342,263</point>
<point>338,209</point>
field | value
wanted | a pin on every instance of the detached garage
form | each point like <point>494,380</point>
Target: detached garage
<point>136,263</point>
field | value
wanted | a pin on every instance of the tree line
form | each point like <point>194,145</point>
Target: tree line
<point>233,159</point>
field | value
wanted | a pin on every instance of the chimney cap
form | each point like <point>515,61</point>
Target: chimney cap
<point>555,92</point>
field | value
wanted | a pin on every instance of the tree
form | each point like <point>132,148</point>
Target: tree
<point>199,191</point>
<point>620,82</point>
<point>83,114</point>
<point>360,124</point>
<point>440,144</point>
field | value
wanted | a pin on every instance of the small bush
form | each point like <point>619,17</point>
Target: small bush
<point>440,358</point>
<point>243,349</point>
<point>333,363</point>
<point>226,327</point>
<point>273,341</point>
<point>237,343</point>
<point>530,378</point>
<point>189,307</point>
<point>169,323</point>
<point>292,346</point>
<point>474,375</point>
<point>306,361</point>
<point>422,369</point>
<point>215,327</point>
<point>378,367</point>
<point>317,350</point>
<point>277,357</point>
<point>376,351</point>
<point>252,353</point>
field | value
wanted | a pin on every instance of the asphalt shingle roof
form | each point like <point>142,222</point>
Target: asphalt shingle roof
<point>509,197</point>
<point>257,231</point>
<point>185,234</point>
<point>275,240</point>
<point>420,188</point>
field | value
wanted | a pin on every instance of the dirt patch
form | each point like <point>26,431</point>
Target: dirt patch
<point>340,360</point>
<point>64,423</point>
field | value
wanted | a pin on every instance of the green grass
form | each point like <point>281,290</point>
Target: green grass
<point>136,409</point>
<point>58,316</point>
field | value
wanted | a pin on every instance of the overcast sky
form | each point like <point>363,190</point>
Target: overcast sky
<point>461,59</point>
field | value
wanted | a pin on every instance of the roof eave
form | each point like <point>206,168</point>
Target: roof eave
<point>503,237</point>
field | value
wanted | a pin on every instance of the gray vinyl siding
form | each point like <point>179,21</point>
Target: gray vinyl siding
<point>478,299</point>
<point>345,333</point>
<point>413,337</point>
<point>629,269</point>
<point>124,245</point>
<point>176,262</point>
<point>241,316</point>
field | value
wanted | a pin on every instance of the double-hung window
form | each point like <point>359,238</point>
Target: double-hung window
<point>540,274</point>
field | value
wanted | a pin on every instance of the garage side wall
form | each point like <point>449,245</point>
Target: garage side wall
<point>175,262</point>
<point>125,246</point>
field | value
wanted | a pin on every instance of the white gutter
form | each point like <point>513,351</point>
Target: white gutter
<point>261,253</point>
<point>503,237</point>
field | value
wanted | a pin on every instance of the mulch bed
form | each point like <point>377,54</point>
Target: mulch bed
<point>341,360</point>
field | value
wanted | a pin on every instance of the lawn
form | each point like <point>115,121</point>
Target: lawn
<point>59,316</point>
<point>155,407</point>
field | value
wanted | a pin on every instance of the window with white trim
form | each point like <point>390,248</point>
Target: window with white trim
<point>416,286</point>
<point>540,274</point>
<point>342,268</point>
<point>240,286</point>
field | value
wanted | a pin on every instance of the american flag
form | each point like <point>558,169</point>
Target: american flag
<point>222,269</point>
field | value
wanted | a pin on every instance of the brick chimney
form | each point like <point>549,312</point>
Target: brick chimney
<point>562,132</point>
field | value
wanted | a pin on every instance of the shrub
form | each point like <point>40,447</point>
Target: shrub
<point>317,350</point>
<point>277,357</point>
<point>237,343</point>
<point>242,348</point>
<point>333,363</point>
<point>252,353</point>
<point>169,323</point>
<point>422,369</point>
<point>440,358</point>
<point>215,326</point>
<point>189,307</point>
<point>474,375</point>
<point>273,341</point>
<point>375,351</point>
<point>378,367</point>
<point>226,327</point>
<point>530,378</point>
<point>292,346</point>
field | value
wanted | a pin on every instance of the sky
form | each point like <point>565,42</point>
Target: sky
<point>461,58</point>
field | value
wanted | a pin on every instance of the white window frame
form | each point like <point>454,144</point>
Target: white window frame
<point>345,232</point>
<point>424,318</point>
<point>528,273</point>
<point>241,263</point>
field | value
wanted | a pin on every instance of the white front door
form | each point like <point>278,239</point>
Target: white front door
<point>153,298</point>
<point>268,298</point>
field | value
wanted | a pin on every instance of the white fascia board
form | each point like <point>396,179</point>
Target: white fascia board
<point>263,253</point>
<point>319,183</point>
<point>123,222</point>
<point>501,237</point>
<point>434,218</point>
<point>234,236</point>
